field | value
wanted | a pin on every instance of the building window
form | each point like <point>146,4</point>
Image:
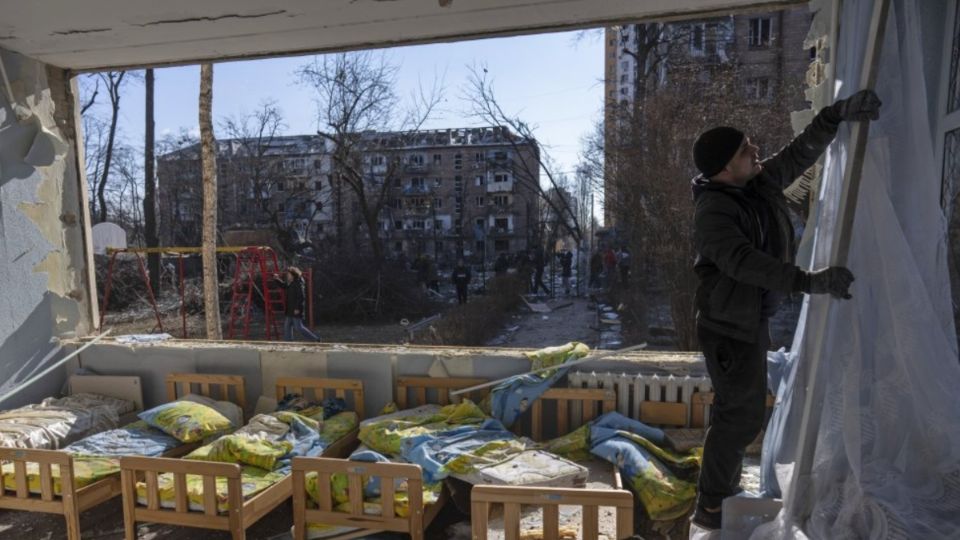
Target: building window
<point>416,182</point>
<point>696,39</point>
<point>415,159</point>
<point>280,186</point>
<point>500,155</point>
<point>396,204</point>
<point>437,182</point>
<point>501,178</point>
<point>377,161</point>
<point>501,200</point>
<point>457,161</point>
<point>479,202</point>
<point>623,78</point>
<point>759,33</point>
<point>624,65</point>
<point>398,225</point>
<point>478,181</point>
<point>481,246</point>
<point>501,223</point>
<point>438,202</point>
<point>478,224</point>
<point>437,159</point>
<point>279,207</point>
<point>478,157</point>
<point>437,224</point>
<point>318,185</point>
<point>758,88</point>
<point>419,224</point>
<point>317,164</point>
<point>301,186</point>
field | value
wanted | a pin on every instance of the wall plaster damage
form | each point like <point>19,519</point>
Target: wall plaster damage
<point>45,292</point>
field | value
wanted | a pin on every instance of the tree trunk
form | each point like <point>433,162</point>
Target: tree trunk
<point>150,189</point>
<point>114,115</point>
<point>208,159</point>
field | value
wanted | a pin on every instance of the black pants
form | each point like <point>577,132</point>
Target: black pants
<point>738,372</point>
<point>461,293</point>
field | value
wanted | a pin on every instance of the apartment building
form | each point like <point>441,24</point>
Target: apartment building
<point>767,49</point>
<point>444,193</point>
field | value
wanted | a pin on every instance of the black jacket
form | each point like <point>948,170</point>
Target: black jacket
<point>295,296</point>
<point>461,276</point>
<point>744,238</point>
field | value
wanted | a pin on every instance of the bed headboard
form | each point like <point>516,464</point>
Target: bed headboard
<point>117,386</point>
<point>421,386</point>
<point>213,386</point>
<point>318,388</point>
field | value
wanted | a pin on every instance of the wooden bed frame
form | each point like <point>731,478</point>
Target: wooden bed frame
<point>587,400</point>
<point>73,500</point>
<point>242,513</point>
<point>482,497</point>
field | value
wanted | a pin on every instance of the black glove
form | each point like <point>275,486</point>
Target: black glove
<point>864,105</point>
<point>834,280</point>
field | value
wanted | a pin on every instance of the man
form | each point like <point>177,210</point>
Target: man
<point>744,242</point>
<point>461,279</point>
<point>538,263</point>
<point>566,269</point>
<point>295,298</point>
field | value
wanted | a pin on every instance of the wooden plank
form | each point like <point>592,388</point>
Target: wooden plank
<point>180,492</point>
<point>262,503</point>
<point>401,396</point>
<point>663,413</point>
<point>421,393</point>
<point>20,479</point>
<point>153,494</point>
<point>325,491</point>
<point>355,494</point>
<point>300,505</point>
<point>210,495</point>
<point>187,466</point>
<point>551,521</point>
<point>536,420</point>
<point>188,519</point>
<point>235,508</point>
<point>511,521</point>
<point>386,497</point>
<point>625,521</point>
<point>46,482</point>
<point>68,491</point>
<point>128,482</point>
<point>563,420</point>
<point>443,396</point>
<point>478,519</point>
<point>591,521</point>
<point>416,526</point>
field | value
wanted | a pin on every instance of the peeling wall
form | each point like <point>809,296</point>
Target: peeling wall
<point>45,288</point>
<point>377,367</point>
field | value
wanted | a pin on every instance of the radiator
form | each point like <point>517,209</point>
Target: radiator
<point>662,400</point>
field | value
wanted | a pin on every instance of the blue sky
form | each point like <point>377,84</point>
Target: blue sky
<point>552,81</point>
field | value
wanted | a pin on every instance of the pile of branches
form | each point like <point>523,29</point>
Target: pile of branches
<point>481,318</point>
<point>355,289</point>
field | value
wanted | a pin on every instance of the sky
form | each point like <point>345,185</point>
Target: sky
<point>554,82</point>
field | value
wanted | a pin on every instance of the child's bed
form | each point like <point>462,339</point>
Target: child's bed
<point>222,504</point>
<point>96,403</point>
<point>49,481</point>
<point>583,405</point>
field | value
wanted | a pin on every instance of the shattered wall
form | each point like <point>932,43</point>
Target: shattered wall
<point>44,285</point>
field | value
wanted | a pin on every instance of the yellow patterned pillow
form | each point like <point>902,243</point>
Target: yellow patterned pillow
<point>186,421</point>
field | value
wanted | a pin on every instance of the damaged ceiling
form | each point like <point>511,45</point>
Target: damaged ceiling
<point>100,34</point>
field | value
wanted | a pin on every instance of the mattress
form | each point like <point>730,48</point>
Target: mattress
<point>57,422</point>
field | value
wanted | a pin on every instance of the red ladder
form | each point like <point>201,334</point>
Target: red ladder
<point>255,269</point>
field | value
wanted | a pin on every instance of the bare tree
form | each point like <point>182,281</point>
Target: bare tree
<point>150,186</point>
<point>356,103</point>
<point>113,82</point>
<point>208,158</point>
<point>484,106</point>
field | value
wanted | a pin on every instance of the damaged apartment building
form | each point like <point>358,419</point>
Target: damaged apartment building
<point>864,436</point>
<point>443,193</point>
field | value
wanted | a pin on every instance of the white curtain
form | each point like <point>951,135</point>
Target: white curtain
<point>887,460</point>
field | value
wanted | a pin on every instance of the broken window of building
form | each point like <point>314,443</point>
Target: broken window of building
<point>758,88</point>
<point>759,32</point>
<point>478,180</point>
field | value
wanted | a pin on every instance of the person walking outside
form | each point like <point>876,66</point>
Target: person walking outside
<point>744,242</point>
<point>566,270</point>
<point>538,262</point>
<point>461,279</point>
<point>295,296</point>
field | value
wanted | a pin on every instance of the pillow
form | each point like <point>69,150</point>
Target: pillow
<point>186,421</point>
<point>243,450</point>
<point>232,411</point>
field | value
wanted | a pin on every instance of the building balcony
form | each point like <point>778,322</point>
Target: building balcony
<point>416,168</point>
<point>499,187</point>
<point>500,232</point>
<point>425,189</point>
<point>423,210</point>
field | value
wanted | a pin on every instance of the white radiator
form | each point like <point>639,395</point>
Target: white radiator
<point>635,389</point>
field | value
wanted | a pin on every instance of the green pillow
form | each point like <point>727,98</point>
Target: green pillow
<point>186,421</point>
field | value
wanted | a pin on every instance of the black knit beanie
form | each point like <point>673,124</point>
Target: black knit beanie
<point>715,148</point>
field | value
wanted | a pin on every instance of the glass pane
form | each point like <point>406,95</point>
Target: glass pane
<point>953,96</point>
